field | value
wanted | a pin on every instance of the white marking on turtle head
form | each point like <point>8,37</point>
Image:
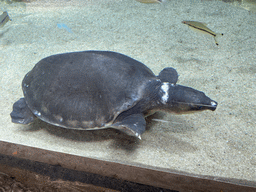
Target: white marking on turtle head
<point>165,89</point>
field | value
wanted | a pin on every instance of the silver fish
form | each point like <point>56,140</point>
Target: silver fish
<point>200,27</point>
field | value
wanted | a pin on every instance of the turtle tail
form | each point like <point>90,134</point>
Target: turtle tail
<point>21,113</point>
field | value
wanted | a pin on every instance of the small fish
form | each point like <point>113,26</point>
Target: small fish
<point>200,27</point>
<point>4,18</point>
<point>151,1</point>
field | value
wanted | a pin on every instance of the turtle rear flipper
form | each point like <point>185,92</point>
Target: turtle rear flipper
<point>21,113</point>
<point>133,125</point>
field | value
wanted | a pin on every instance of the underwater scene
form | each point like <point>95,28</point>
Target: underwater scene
<point>158,122</point>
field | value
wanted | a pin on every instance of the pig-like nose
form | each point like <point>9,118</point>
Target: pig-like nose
<point>213,105</point>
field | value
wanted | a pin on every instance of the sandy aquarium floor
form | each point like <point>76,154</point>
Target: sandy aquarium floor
<point>220,143</point>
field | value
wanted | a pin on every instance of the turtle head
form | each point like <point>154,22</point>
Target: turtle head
<point>181,99</point>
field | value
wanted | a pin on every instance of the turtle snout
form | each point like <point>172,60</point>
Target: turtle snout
<point>213,105</point>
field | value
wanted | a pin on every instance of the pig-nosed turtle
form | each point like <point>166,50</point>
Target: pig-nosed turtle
<point>101,89</point>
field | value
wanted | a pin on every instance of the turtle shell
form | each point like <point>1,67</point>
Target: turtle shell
<point>84,90</point>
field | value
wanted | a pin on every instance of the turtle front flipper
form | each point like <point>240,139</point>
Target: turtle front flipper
<point>168,74</point>
<point>21,113</point>
<point>133,125</point>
